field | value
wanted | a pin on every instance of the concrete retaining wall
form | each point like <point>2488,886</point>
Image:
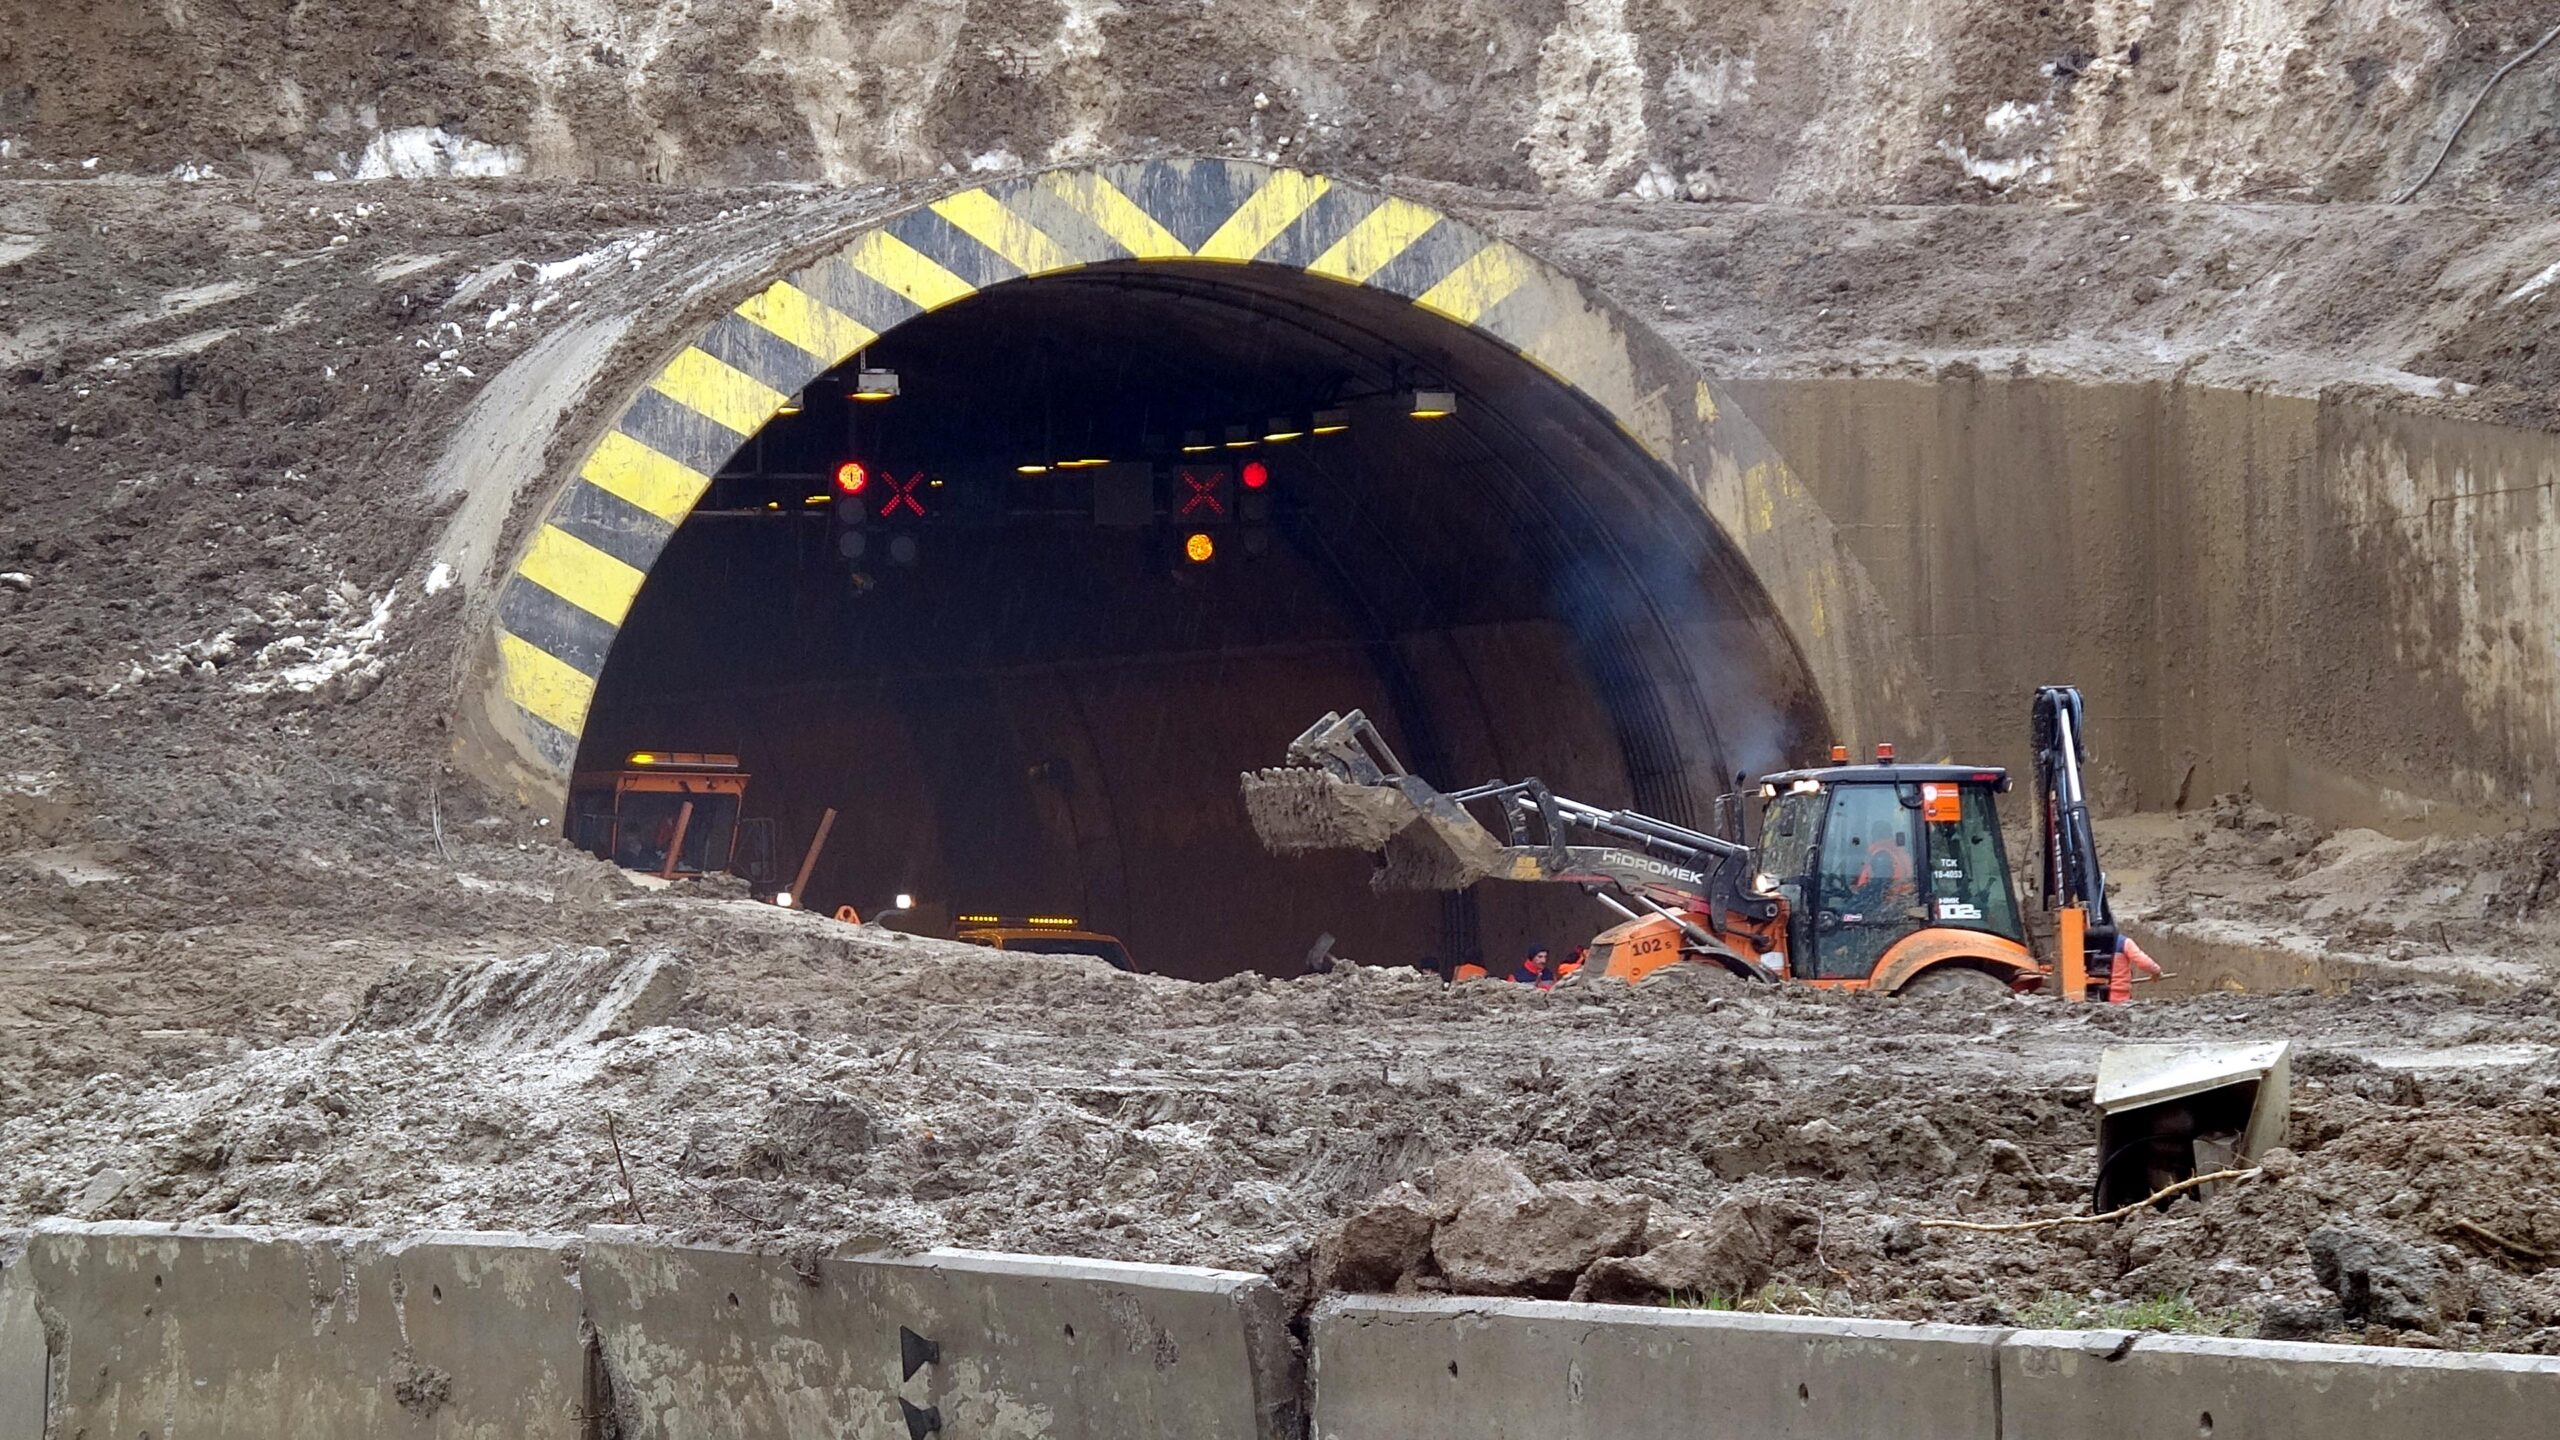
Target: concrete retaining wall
<point>22,1355</point>
<point>109,1332</point>
<point>707,1342</point>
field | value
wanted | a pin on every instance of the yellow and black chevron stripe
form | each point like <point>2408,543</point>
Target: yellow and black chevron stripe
<point>560,608</point>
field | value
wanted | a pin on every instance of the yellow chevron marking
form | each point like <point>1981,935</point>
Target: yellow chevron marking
<point>909,271</point>
<point>663,487</point>
<point>718,391</point>
<point>1486,279</point>
<point>1116,215</point>
<point>1261,218</point>
<point>581,574</point>
<point>543,685</point>
<point>1381,236</point>
<point>983,218</point>
<point>807,322</point>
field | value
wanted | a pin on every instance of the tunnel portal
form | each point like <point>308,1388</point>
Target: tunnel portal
<point>1015,527</point>
<point>1118,535</point>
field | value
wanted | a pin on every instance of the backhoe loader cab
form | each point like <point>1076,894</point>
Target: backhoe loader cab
<point>670,813</point>
<point>1882,865</point>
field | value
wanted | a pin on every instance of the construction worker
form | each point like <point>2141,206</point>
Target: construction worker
<point>2128,959</point>
<point>1888,880</point>
<point>1469,970</point>
<point>1574,962</point>
<point>1533,970</point>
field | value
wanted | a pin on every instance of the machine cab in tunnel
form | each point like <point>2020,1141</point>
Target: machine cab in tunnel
<point>1869,856</point>
<point>671,813</point>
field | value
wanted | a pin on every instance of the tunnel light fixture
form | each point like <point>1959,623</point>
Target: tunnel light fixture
<point>1198,548</point>
<point>1431,404</point>
<point>1032,469</point>
<point>793,403</point>
<point>1331,422</point>
<point>643,759</point>
<point>817,499</point>
<point>1280,429</point>
<point>1197,442</point>
<point>875,385</point>
<point>1086,463</point>
<point>1240,437</point>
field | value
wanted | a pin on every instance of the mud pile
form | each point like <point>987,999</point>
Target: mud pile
<point>724,1069</point>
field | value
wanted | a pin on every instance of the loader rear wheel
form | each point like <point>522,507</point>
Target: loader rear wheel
<point>1958,980</point>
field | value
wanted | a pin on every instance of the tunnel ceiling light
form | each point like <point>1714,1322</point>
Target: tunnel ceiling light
<point>870,385</point>
<point>1280,429</point>
<point>793,403</point>
<point>1032,469</point>
<point>1432,404</point>
<point>1198,548</point>
<point>1087,463</point>
<point>1331,422</point>
<point>1197,442</point>
<point>851,477</point>
<point>817,499</point>
<point>1240,437</point>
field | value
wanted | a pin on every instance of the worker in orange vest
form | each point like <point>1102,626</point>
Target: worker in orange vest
<point>1887,881</point>
<point>2129,958</point>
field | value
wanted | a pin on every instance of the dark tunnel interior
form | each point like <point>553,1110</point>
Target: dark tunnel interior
<point>1023,692</point>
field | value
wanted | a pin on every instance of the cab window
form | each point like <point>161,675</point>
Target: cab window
<point>1869,885</point>
<point>1968,873</point>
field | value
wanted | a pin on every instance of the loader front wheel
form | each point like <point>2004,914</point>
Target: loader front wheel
<point>1959,980</point>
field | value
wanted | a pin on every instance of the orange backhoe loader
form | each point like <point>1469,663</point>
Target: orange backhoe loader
<point>1882,876</point>
<point>674,814</point>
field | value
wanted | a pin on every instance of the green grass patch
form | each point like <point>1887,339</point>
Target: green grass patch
<point>2170,1314</point>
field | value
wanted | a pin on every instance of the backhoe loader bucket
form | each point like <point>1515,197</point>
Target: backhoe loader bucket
<point>1343,789</point>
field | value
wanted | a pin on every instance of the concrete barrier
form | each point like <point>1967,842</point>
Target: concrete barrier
<point>1455,1369</point>
<point>2101,1385</point>
<point>117,1331</point>
<point>22,1369</point>
<point>711,1342</point>
<point>194,1333</point>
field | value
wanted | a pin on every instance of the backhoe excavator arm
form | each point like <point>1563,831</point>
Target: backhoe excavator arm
<point>1343,788</point>
<point>2071,879</point>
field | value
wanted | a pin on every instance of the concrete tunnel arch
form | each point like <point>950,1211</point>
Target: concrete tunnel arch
<point>531,685</point>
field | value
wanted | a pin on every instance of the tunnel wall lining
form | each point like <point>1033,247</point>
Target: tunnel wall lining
<point>326,1334</point>
<point>557,611</point>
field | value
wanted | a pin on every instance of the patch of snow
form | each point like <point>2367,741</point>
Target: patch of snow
<point>427,152</point>
<point>994,162</point>
<point>324,176</point>
<point>190,172</point>
<point>439,578</point>
<point>1999,174</point>
<point>2010,116</point>
<point>2534,286</point>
